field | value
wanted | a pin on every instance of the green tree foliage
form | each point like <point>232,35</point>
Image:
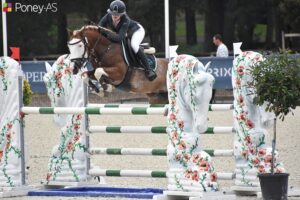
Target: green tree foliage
<point>151,15</point>
<point>277,82</point>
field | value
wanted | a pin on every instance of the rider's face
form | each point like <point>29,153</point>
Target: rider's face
<point>116,18</point>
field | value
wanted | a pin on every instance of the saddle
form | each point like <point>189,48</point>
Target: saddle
<point>130,58</point>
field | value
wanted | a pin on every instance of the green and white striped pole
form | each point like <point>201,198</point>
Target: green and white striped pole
<point>153,152</point>
<point>147,173</point>
<point>212,107</point>
<point>153,129</point>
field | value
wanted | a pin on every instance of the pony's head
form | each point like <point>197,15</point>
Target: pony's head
<point>82,45</point>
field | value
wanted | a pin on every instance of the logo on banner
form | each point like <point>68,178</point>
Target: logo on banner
<point>7,7</point>
<point>30,8</point>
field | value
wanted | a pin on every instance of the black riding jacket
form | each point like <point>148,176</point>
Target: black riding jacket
<point>126,27</point>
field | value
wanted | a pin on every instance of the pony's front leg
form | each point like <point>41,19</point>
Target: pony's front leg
<point>87,79</point>
<point>103,79</point>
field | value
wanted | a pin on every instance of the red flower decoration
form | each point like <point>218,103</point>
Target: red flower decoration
<point>70,146</point>
<point>268,159</point>
<point>178,157</point>
<point>245,154</point>
<point>186,157</point>
<point>2,72</point>
<point>213,177</point>
<point>9,125</point>
<point>241,70</point>
<point>78,117</point>
<point>174,135</point>
<point>181,124</point>
<point>76,127</point>
<point>22,115</point>
<point>248,139</point>
<point>279,170</point>
<point>253,151</point>
<point>241,99</point>
<point>182,145</point>
<point>255,162</point>
<point>204,165</point>
<point>261,169</point>
<point>8,136</point>
<point>249,124</point>
<point>76,138</point>
<point>196,158</point>
<point>172,86</point>
<point>242,116</point>
<point>48,176</point>
<point>60,61</point>
<point>58,75</point>
<point>188,173</point>
<point>59,84</point>
<point>172,117</point>
<point>174,72</point>
<point>68,70</point>
<point>261,152</point>
<point>195,176</point>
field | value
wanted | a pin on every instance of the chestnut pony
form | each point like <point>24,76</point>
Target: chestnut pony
<point>109,67</point>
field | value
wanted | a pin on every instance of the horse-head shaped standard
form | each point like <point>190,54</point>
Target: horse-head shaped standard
<point>251,152</point>
<point>189,89</point>
<point>66,90</point>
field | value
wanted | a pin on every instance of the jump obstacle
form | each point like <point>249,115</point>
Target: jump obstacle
<point>111,109</point>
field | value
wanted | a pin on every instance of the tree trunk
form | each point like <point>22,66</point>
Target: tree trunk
<point>172,24</point>
<point>278,28</point>
<point>270,24</point>
<point>245,34</point>
<point>62,34</point>
<point>229,24</point>
<point>190,23</point>
<point>214,22</point>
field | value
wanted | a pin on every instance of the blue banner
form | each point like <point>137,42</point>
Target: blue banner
<point>220,68</point>
<point>34,72</point>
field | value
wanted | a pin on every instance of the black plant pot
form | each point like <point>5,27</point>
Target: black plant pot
<point>274,186</point>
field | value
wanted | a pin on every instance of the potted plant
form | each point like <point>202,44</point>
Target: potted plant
<point>277,83</point>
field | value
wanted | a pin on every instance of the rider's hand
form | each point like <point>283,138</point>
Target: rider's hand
<point>102,30</point>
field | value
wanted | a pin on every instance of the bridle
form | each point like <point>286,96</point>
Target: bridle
<point>92,56</point>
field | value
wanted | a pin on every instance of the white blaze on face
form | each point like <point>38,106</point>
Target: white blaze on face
<point>76,48</point>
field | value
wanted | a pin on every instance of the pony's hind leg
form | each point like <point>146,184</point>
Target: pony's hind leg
<point>158,98</point>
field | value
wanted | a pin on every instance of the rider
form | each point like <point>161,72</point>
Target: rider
<point>117,20</point>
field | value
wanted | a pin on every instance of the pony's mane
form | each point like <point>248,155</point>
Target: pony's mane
<point>88,28</point>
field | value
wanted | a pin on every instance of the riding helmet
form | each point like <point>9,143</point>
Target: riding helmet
<point>117,7</point>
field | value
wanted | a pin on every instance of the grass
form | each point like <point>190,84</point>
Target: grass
<point>260,32</point>
<point>181,31</point>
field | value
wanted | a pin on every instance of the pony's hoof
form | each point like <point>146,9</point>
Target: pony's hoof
<point>100,93</point>
<point>109,88</point>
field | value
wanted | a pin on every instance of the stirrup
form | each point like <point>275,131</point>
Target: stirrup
<point>151,75</point>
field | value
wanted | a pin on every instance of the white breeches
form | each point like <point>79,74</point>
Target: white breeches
<point>137,38</point>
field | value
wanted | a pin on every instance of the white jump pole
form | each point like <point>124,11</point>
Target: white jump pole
<point>167,41</point>
<point>4,31</point>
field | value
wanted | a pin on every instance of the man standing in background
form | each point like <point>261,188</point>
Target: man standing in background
<point>222,51</point>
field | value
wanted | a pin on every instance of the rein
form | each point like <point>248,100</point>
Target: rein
<point>92,54</point>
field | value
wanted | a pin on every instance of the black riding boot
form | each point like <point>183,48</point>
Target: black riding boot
<point>151,75</point>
